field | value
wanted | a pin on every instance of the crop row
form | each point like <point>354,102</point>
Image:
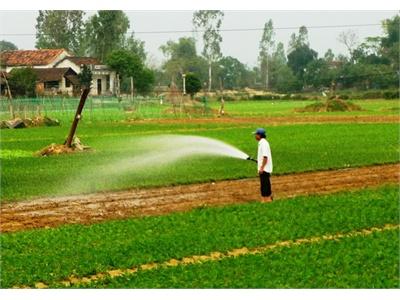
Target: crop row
<point>50,255</point>
<point>356,262</point>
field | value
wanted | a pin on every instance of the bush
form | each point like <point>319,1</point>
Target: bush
<point>372,95</point>
<point>23,82</point>
<point>391,94</point>
<point>227,98</point>
<point>265,97</point>
<point>344,97</point>
<point>193,84</point>
<point>85,77</point>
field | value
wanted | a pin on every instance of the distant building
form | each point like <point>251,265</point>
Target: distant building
<point>45,62</point>
<point>43,58</point>
<point>104,80</point>
<point>53,81</point>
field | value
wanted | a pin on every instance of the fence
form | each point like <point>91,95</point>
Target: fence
<point>99,108</point>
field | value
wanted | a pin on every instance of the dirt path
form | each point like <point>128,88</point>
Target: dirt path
<point>276,120</point>
<point>91,208</point>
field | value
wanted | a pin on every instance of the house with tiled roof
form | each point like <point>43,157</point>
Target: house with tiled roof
<point>42,58</point>
<point>104,80</point>
<point>53,81</point>
<point>56,63</point>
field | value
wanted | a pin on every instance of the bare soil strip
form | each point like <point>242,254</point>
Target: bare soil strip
<point>276,120</point>
<point>215,256</point>
<point>92,208</point>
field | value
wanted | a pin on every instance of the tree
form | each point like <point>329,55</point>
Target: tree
<point>232,72</point>
<point>348,38</point>
<point>22,82</point>
<point>105,32</point>
<point>210,22</point>
<point>390,42</point>
<point>286,81</point>
<point>242,76</point>
<point>319,73</point>
<point>193,84</point>
<point>143,81</point>
<point>60,29</point>
<point>299,58</point>
<point>370,52</point>
<point>85,77</point>
<point>278,62</point>
<point>329,56</point>
<point>266,46</point>
<point>182,58</point>
<point>6,45</point>
<point>300,40</point>
<point>127,65</point>
<point>279,55</point>
<point>135,46</point>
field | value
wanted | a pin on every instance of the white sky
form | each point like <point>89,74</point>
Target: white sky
<point>242,45</point>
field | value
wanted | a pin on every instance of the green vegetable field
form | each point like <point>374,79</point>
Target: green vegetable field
<point>51,255</point>
<point>315,237</point>
<point>296,148</point>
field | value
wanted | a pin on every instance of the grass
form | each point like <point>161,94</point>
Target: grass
<point>357,262</point>
<point>50,255</point>
<point>295,149</point>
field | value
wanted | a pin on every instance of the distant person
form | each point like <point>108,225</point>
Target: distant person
<point>264,164</point>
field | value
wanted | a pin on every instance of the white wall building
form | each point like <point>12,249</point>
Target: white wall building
<point>104,79</point>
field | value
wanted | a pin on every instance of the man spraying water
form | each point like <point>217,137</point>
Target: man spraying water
<point>264,164</point>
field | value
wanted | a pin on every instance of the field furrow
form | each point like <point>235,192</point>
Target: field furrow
<point>91,208</point>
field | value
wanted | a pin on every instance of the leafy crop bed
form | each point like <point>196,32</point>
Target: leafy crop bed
<point>356,262</point>
<point>51,255</point>
<point>295,149</point>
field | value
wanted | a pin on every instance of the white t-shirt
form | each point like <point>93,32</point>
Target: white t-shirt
<point>264,150</point>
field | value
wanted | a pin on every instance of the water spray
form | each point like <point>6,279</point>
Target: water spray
<point>157,151</point>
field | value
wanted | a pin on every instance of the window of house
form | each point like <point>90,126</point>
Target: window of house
<point>51,84</point>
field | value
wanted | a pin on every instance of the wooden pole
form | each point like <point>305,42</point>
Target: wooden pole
<point>77,117</point>
<point>132,88</point>
<point>221,86</point>
<point>9,96</point>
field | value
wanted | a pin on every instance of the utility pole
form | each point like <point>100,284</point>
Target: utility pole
<point>221,86</point>
<point>267,75</point>
<point>132,87</point>
<point>184,83</point>
<point>78,116</point>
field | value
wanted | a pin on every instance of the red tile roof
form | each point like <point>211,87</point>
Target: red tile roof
<point>84,60</point>
<point>52,74</point>
<point>29,57</point>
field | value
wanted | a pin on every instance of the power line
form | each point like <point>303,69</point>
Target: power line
<point>257,29</point>
<point>225,30</point>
